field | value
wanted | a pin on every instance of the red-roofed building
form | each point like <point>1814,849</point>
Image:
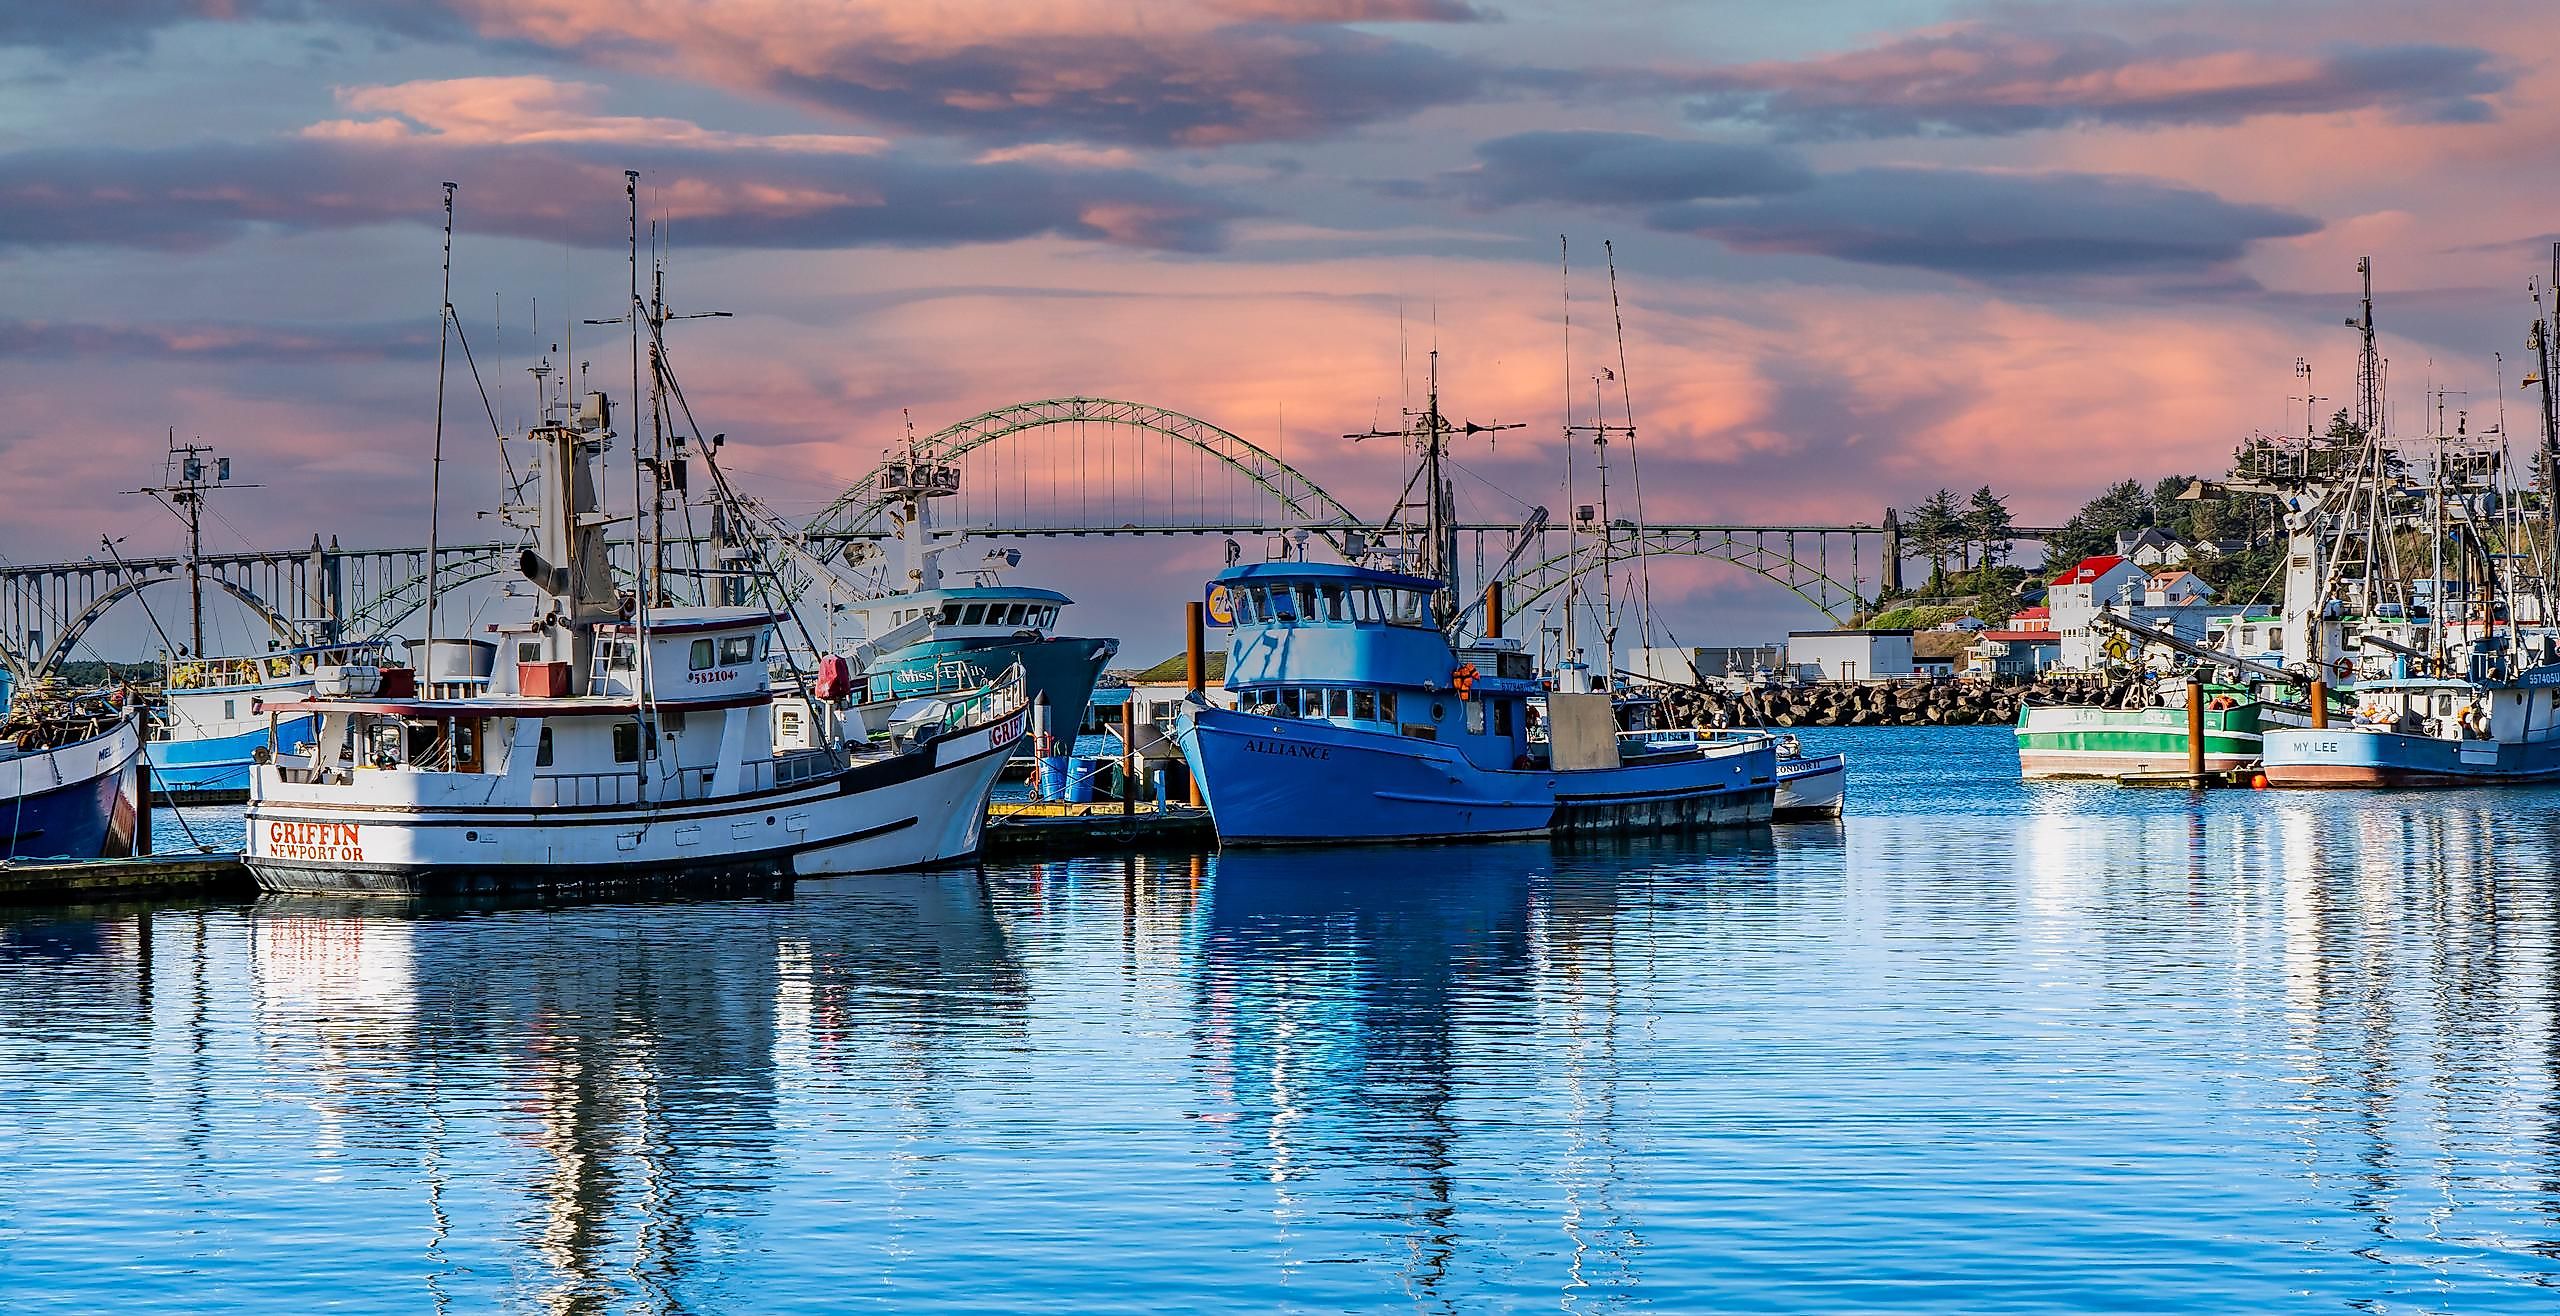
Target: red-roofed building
<point>2176,589</point>
<point>2037,618</point>
<point>2078,594</point>
<point>2090,570</point>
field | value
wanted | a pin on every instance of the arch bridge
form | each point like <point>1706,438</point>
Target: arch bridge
<point>1059,467</point>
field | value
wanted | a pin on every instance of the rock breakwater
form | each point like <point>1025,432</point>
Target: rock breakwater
<point>1916,703</point>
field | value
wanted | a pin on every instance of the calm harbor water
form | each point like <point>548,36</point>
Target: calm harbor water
<point>1981,1047</point>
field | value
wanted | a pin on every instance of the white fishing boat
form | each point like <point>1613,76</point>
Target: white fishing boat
<point>620,745</point>
<point>627,739</point>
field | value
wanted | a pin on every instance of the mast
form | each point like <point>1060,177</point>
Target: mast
<point>1572,655</point>
<point>182,490</point>
<point>644,583</point>
<point>657,424</point>
<point>2546,323</point>
<point>1439,528</point>
<point>435,465</point>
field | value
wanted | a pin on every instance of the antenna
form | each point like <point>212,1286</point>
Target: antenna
<point>184,484</point>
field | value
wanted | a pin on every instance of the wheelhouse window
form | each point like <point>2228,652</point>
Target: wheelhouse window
<point>951,614</point>
<point>701,658</point>
<point>1364,705</point>
<point>737,649</point>
<point>974,614</point>
<point>1337,703</point>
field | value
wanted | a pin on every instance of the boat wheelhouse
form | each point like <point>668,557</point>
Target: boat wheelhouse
<point>980,631</point>
<point>1357,719</point>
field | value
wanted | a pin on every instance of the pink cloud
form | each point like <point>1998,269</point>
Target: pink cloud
<point>516,111</point>
<point>1153,72</point>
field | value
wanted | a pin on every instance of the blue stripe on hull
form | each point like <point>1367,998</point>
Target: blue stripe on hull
<point>1288,781</point>
<point>2343,757</point>
<point>80,820</point>
<point>216,763</point>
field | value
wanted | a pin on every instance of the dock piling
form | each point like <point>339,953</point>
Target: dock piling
<point>1195,667</point>
<point>2195,727</point>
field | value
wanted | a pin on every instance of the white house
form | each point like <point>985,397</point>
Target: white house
<point>2176,589</point>
<point>1849,655</point>
<point>2151,546</point>
<point>2017,653</point>
<point>2113,583</point>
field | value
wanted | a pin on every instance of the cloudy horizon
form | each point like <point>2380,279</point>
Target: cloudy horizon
<point>1865,252</point>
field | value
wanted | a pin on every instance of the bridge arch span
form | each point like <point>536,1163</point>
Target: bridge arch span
<point>1298,499</point>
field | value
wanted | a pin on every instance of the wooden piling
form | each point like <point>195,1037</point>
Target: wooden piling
<point>1493,610</point>
<point>1195,668</point>
<point>2319,704</point>
<point>1129,755</point>
<point>142,806</point>
<point>2195,726</point>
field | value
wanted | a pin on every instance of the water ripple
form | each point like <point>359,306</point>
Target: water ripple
<point>1983,1047</point>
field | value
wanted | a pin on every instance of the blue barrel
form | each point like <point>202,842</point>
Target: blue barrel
<point>1050,785</point>
<point>1080,783</point>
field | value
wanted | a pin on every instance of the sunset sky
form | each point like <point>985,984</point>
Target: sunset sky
<point>1867,248</point>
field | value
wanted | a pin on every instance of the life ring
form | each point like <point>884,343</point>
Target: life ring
<point>2342,669</point>
<point>1463,680</point>
<point>2117,648</point>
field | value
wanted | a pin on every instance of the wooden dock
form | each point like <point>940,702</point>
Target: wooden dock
<point>65,881</point>
<point>1013,830</point>
<point>1098,828</point>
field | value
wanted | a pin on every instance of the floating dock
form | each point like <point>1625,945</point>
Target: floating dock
<point>1013,829</point>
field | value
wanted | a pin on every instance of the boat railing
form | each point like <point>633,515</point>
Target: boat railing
<point>583,789</point>
<point>756,774</point>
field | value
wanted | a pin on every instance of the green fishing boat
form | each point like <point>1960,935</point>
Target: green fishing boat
<point>2113,742</point>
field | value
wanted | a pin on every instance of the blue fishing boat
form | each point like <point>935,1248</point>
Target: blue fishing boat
<point>2430,731</point>
<point>1361,715</point>
<point>68,789</point>
<point>928,636</point>
<point>203,739</point>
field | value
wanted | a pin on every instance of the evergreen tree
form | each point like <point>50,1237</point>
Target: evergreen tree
<point>2091,531</point>
<point>1937,527</point>
<point>1987,524</point>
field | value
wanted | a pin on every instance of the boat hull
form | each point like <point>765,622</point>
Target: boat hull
<point>2353,757</point>
<point>216,764</point>
<point>914,811</point>
<point>1811,787</point>
<point>1289,781</point>
<point>2113,742</point>
<point>1058,669</point>
<point>74,801</point>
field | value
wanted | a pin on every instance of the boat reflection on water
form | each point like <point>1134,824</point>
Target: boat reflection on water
<point>2303,1043</point>
<point>1380,1030</point>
